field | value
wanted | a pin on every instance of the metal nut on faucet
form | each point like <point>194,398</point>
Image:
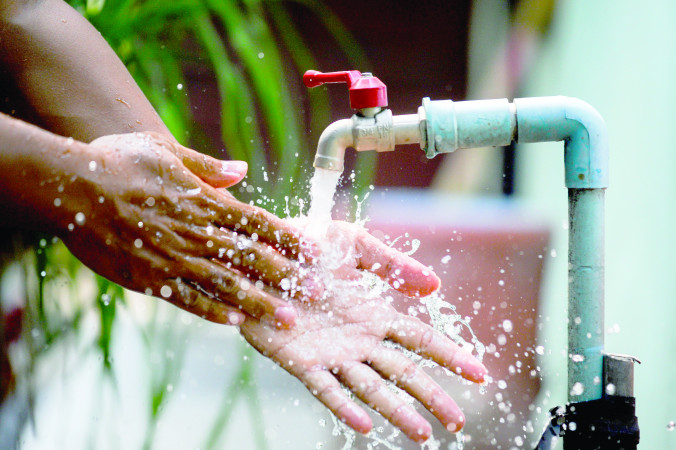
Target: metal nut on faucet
<point>373,133</point>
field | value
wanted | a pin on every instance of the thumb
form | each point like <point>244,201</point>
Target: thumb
<point>217,173</point>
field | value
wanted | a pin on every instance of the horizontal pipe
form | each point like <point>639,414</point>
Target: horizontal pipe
<point>406,129</point>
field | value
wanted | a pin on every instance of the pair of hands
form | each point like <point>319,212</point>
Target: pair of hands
<point>159,221</point>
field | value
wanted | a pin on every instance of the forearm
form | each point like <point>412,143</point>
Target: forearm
<point>69,74</point>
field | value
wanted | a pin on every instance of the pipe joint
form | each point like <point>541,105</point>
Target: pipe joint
<point>579,125</point>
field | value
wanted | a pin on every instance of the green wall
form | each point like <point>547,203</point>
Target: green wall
<point>619,56</point>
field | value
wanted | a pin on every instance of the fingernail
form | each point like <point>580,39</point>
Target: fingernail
<point>235,318</point>
<point>457,424</point>
<point>285,316</point>
<point>234,168</point>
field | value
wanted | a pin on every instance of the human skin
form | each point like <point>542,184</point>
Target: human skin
<point>72,84</point>
<point>87,175</point>
<point>345,339</point>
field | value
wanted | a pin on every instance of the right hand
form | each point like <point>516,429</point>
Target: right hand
<point>156,220</point>
<point>345,340</point>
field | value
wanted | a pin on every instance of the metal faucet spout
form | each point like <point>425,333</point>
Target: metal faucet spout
<point>332,144</point>
<point>380,132</point>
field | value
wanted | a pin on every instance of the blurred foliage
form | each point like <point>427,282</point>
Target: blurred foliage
<point>253,52</point>
<point>256,57</point>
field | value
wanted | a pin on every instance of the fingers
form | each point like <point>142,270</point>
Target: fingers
<point>267,227</point>
<point>394,366</point>
<point>258,260</point>
<point>221,283</point>
<point>327,390</point>
<point>430,343</point>
<point>368,386</point>
<point>402,272</point>
<point>186,297</point>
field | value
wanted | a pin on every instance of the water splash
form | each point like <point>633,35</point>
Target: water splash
<point>443,315</point>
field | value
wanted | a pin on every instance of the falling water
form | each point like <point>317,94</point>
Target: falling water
<point>443,315</point>
<point>322,192</point>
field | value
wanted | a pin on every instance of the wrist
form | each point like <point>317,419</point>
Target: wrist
<point>43,176</point>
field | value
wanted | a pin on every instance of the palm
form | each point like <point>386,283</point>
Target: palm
<point>344,340</point>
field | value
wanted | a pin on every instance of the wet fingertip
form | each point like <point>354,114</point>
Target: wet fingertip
<point>235,318</point>
<point>456,425</point>
<point>356,418</point>
<point>285,317</point>
<point>471,368</point>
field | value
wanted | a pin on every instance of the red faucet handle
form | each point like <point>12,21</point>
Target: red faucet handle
<point>366,91</point>
<point>314,78</point>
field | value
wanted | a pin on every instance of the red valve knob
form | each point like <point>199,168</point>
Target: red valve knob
<point>366,91</point>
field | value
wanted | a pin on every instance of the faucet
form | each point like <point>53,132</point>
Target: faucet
<point>443,126</point>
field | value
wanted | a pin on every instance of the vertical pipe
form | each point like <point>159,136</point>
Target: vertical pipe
<point>585,293</point>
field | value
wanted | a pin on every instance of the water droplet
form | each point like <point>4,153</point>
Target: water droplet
<point>507,325</point>
<point>671,425</point>
<point>611,389</point>
<point>577,389</point>
<point>138,243</point>
<point>150,201</point>
<point>165,291</point>
<point>261,55</point>
<point>92,166</point>
<point>446,259</point>
<point>501,282</point>
<point>57,202</point>
<point>80,218</point>
<point>179,86</point>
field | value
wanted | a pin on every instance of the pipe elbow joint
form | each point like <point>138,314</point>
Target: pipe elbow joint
<point>579,125</point>
<point>332,144</point>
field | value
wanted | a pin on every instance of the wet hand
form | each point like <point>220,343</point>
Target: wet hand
<point>358,249</point>
<point>346,341</point>
<point>152,215</point>
<point>346,338</point>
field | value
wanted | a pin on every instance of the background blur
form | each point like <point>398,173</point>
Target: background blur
<point>617,55</point>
